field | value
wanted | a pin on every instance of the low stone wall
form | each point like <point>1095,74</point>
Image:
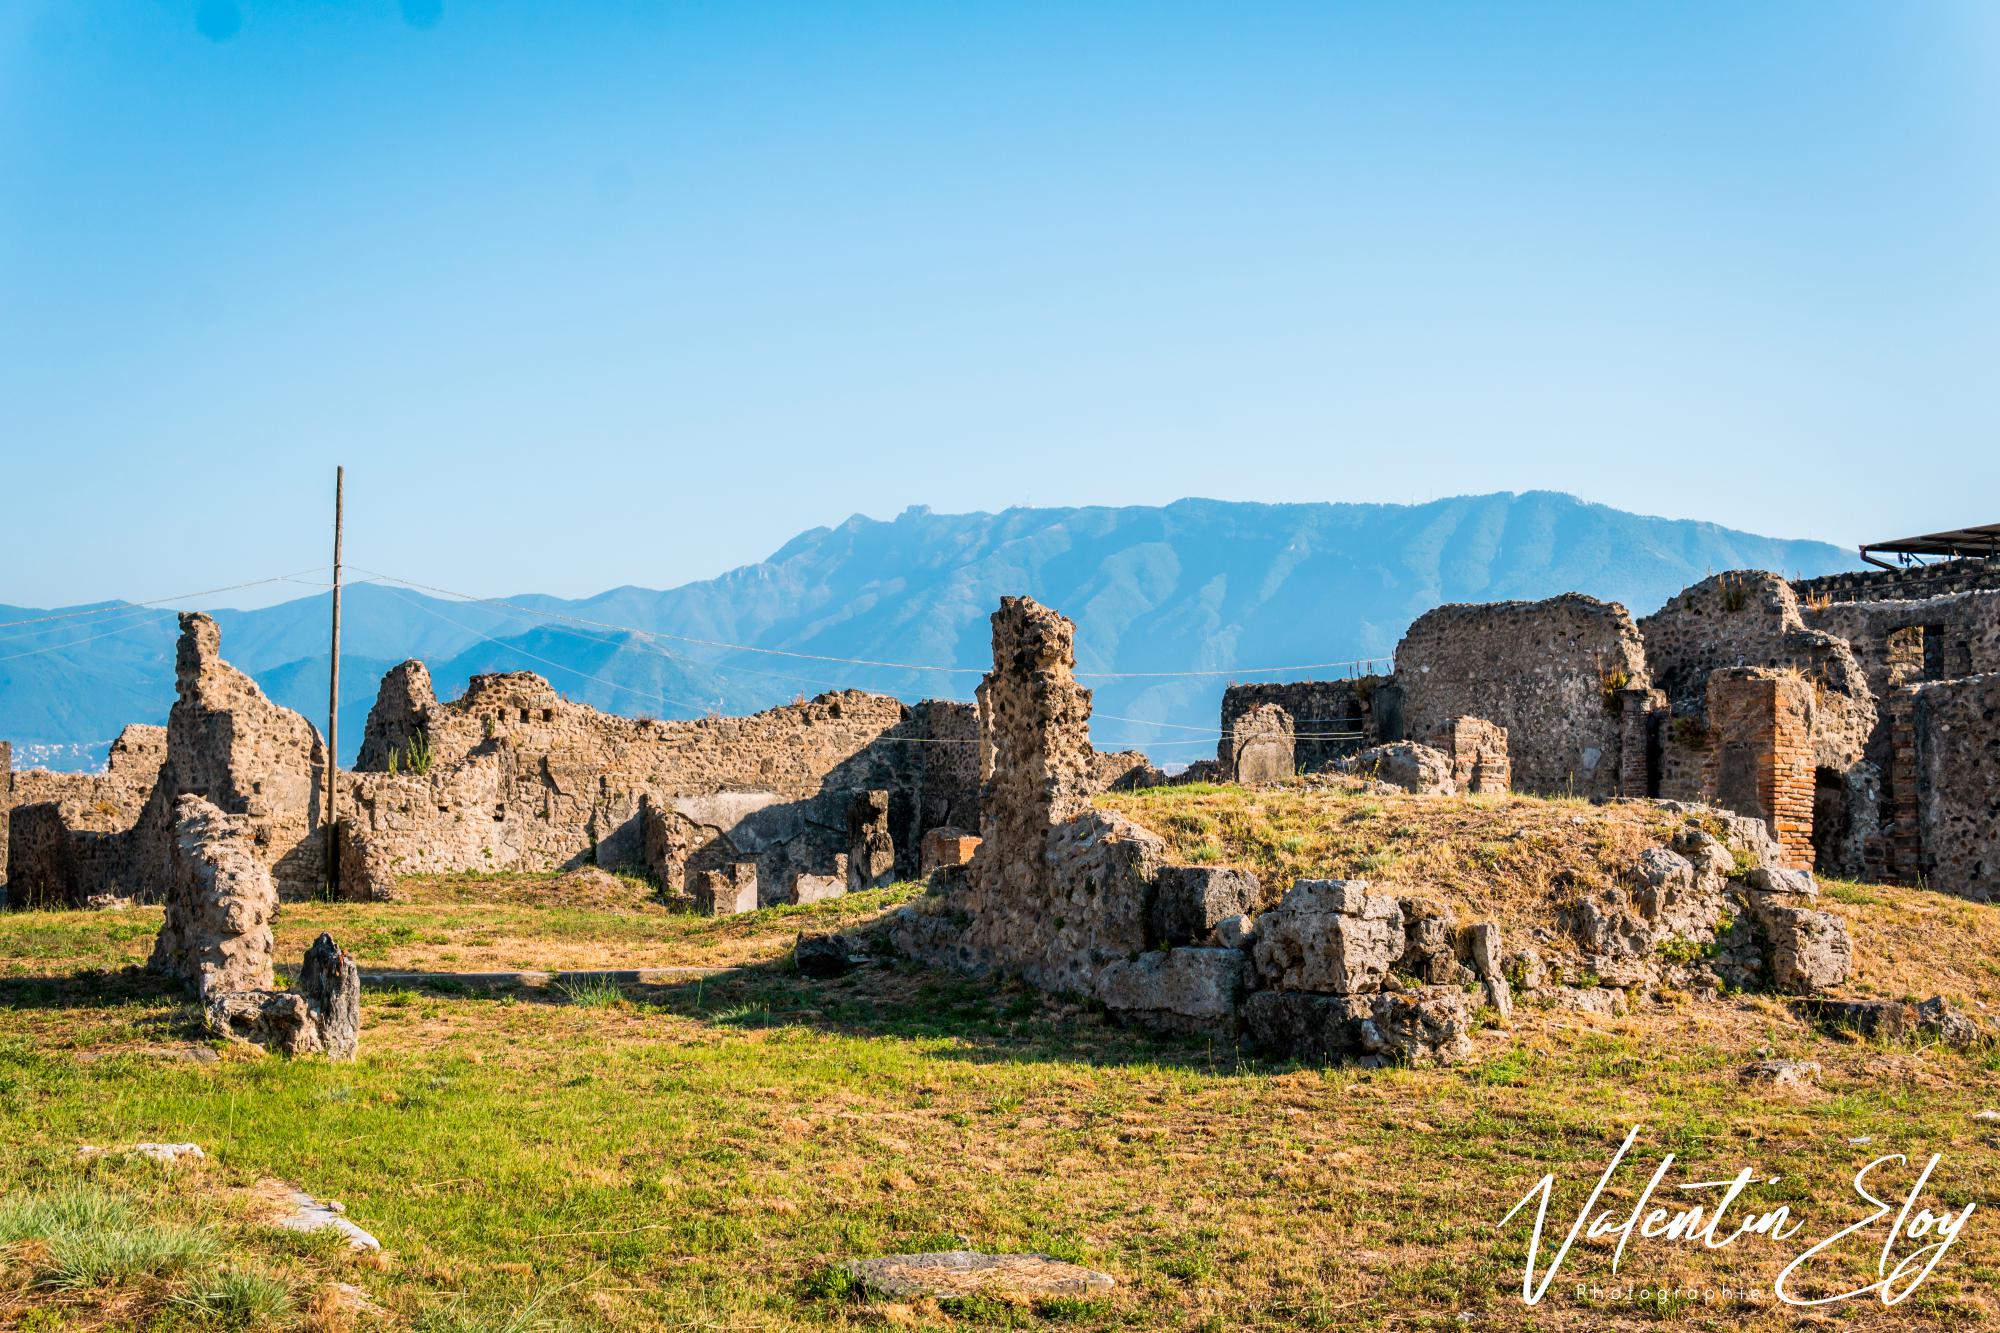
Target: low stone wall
<point>1546,671</point>
<point>1912,582</point>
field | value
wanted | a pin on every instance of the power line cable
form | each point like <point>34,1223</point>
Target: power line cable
<point>158,601</point>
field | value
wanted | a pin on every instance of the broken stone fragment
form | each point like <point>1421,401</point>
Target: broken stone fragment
<point>1782,1073</point>
<point>1779,882</point>
<point>871,849</point>
<point>1810,951</point>
<point>1180,990</point>
<point>322,1017</point>
<point>1330,936</point>
<point>1406,764</point>
<point>946,847</point>
<point>1190,901</point>
<point>962,1273</point>
<point>295,1210</point>
<point>1891,1020</point>
<point>823,956</point>
<point>725,890</point>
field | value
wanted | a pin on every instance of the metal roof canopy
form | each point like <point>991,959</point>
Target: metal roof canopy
<point>1980,543</point>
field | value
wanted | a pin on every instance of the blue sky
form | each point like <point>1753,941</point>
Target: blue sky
<point>587,294</point>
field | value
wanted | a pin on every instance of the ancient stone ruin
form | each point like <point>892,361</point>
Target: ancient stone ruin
<point>1084,902</point>
<point>1853,714</point>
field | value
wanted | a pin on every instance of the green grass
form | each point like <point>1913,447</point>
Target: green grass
<point>698,1154</point>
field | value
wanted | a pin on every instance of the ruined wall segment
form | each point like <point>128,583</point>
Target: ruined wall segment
<point>1547,672</point>
<point>1910,583</point>
<point>1760,755</point>
<point>1331,718</point>
<point>71,834</point>
<point>399,719</point>
<point>1950,784</point>
<point>236,749</point>
<point>220,904</point>
<point>519,777</point>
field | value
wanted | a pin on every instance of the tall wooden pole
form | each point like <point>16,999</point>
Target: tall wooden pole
<point>330,844</point>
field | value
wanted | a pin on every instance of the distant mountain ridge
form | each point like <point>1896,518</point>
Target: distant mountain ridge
<point>1194,586</point>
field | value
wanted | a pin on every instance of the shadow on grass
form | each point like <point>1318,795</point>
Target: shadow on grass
<point>976,1019</point>
<point>93,989</point>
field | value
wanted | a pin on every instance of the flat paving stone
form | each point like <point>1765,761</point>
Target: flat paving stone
<point>950,1273</point>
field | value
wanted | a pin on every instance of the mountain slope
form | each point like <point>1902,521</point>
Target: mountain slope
<point>1195,586</point>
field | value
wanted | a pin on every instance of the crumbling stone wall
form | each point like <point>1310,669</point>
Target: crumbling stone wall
<point>1908,642</point>
<point>520,777</point>
<point>231,746</point>
<point>1547,672</point>
<point>1331,718</point>
<point>6,803</point>
<point>1259,746</point>
<point>1912,582</point>
<point>72,833</point>
<point>220,904</point>
<point>400,716</point>
<point>1478,752</point>
<point>1750,619</point>
<point>1948,783</point>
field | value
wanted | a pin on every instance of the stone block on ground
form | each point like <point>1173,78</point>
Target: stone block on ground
<point>1304,1026</point>
<point>1182,990</point>
<point>1190,901</point>
<point>1810,951</point>
<point>1406,764</point>
<point>1431,1025</point>
<point>725,890</point>
<point>1329,936</point>
<point>946,847</point>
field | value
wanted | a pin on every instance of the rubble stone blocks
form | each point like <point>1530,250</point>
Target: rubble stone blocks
<point>321,1017</point>
<point>1478,753</point>
<point>946,847</point>
<point>1258,747</point>
<point>871,848</point>
<point>1430,1025</point>
<point>217,932</point>
<point>1306,1026</point>
<point>1189,902</point>
<point>1541,670</point>
<point>1760,759</point>
<point>1329,935</point>
<point>1185,990</point>
<point>1406,764</point>
<point>726,890</point>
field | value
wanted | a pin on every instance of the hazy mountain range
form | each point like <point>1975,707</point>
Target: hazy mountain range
<point>1194,586</point>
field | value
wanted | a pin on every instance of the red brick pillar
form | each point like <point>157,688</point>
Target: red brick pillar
<point>1760,758</point>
